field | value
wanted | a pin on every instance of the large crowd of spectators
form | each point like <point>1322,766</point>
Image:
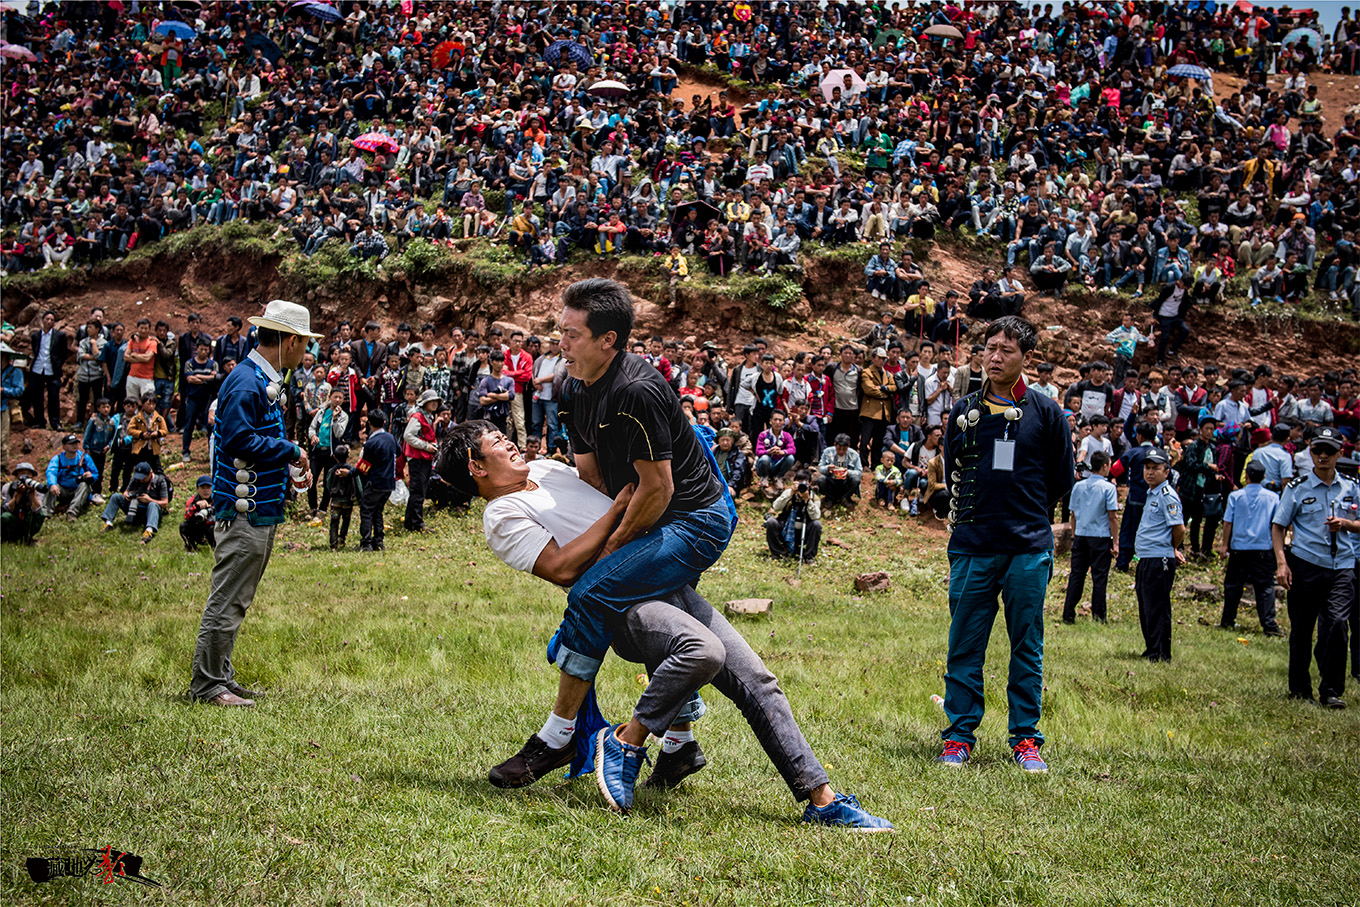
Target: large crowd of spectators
<point>1064,135</point>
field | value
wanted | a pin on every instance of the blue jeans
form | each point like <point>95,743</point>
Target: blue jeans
<point>670,556</point>
<point>544,411</point>
<point>165,392</point>
<point>975,582</point>
<point>767,467</point>
<point>147,513</point>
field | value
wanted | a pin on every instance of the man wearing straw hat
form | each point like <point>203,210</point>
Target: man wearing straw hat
<point>250,478</point>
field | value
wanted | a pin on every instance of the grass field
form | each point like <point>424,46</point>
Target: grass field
<point>395,680</point>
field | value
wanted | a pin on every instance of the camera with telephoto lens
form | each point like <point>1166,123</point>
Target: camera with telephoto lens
<point>803,487</point>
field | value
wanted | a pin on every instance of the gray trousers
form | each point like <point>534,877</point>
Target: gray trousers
<point>241,555</point>
<point>74,499</point>
<point>685,643</point>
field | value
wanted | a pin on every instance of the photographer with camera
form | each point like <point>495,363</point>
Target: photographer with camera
<point>199,519</point>
<point>794,526</point>
<point>21,500</point>
<point>143,500</point>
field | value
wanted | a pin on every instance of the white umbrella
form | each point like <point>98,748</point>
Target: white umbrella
<point>836,79</point>
<point>609,88</point>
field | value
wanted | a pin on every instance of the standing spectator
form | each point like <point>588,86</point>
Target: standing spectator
<point>148,429</point>
<point>345,486</point>
<point>49,348</point>
<point>1247,546</point>
<point>89,368</point>
<point>11,393</point>
<point>519,365</point>
<point>1319,569</point>
<point>200,377</point>
<point>248,438</point>
<point>71,475</point>
<point>100,432</point>
<point>141,359</point>
<point>378,466</point>
<point>1007,457</point>
<point>418,441</point>
<point>877,388</point>
<point>326,433</point>
<point>1161,532</point>
<point>1095,538</point>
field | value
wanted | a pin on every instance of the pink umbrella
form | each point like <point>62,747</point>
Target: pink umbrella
<point>16,52</point>
<point>375,141</point>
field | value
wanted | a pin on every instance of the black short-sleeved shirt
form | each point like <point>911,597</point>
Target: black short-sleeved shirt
<point>632,414</point>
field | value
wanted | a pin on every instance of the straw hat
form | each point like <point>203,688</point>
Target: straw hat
<point>289,317</point>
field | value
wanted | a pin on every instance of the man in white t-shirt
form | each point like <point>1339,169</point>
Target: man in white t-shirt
<point>541,517</point>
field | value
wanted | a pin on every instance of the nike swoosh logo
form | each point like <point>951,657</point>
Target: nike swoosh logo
<point>604,425</point>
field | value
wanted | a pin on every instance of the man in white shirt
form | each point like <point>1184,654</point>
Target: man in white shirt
<point>541,517</point>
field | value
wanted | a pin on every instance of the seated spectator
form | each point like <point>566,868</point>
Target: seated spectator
<point>839,472</point>
<point>794,525</point>
<point>71,477</point>
<point>142,500</point>
<point>731,462</point>
<point>888,487</point>
<point>1049,271</point>
<point>369,243</point>
<point>774,454</point>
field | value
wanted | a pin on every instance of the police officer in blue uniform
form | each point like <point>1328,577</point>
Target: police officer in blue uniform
<point>1161,532</point>
<point>1318,569</point>
<point>1095,527</point>
<point>251,473</point>
<point>1247,544</point>
<point>1275,460</point>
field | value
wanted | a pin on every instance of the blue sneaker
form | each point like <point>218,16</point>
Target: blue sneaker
<point>616,767</point>
<point>1027,756</point>
<point>845,812</point>
<point>956,753</point>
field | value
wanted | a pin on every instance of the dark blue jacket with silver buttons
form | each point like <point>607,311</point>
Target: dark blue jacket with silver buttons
<point>252,450</point>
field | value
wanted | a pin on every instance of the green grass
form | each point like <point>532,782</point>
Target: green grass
<point>395,680</point>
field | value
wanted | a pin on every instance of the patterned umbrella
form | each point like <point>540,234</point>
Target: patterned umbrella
<point>573,51</point>
<point>444,51</point>
<point>375,141</point>
<point>1188,71</point>
<point>1306,35</point>
<point>17,52</point>
<point>176,28</point>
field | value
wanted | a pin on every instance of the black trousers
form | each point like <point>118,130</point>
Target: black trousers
<point>1128,531</point>
<point>1325,598</point>
<point>195,533</point>
<point>371,529</point>
<point>87,392</point>
<point>415,504</point>
<point>1152,585</point>
<point>340,514</point>
<point>1088,553</point>
<point>321,462</point>
<point>871,433</point>
<point>1355,628</point>
<point>42,389</point>
<point>811,537</point>
<point>1257,568</point>
<point>843,421</point>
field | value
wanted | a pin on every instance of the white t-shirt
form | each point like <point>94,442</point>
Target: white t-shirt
<point>519,526</point>
<point>1090,444</point>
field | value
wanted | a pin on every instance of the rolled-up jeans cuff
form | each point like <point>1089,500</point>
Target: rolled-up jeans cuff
<point>692,710</point>
<point>582,667</point>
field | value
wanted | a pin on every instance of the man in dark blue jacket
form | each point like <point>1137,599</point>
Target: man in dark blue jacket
<point>379,469</point>
<point>1132,468</point>
<point>1008,458</point>
<point>250,479</point>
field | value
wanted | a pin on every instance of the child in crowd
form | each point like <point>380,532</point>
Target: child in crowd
<point>887,481</point>
<point>346,487</point>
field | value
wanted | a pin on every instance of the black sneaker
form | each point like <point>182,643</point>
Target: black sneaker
<point>672,768</point>
<point>534,760</point>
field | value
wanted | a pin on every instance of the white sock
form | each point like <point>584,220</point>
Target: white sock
<point>557,731</point>
<point>675,739</point>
